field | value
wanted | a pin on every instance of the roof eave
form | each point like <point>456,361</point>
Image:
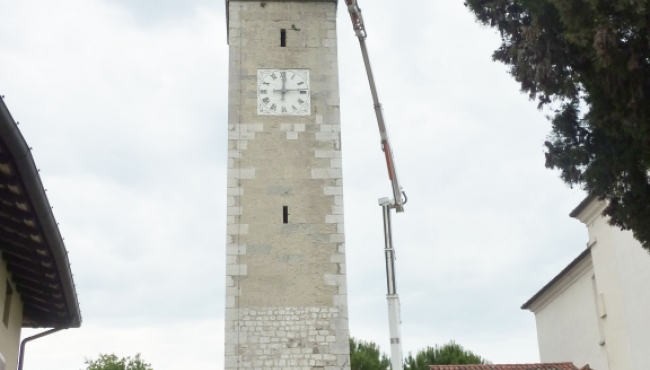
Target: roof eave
<point>556,279</point>
<point>28,172</point>
<point>581,207</point>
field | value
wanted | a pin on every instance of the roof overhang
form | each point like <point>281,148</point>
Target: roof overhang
<point>563,280</point>
<point>590,208</point>
<point>30,240</point>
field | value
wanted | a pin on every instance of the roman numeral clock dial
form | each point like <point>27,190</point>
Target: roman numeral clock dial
<point>283,92</point>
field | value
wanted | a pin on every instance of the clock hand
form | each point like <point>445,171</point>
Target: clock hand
<point>284,83</point>
<point>289,90</point>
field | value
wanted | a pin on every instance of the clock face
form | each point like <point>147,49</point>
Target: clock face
<point>283,92</point>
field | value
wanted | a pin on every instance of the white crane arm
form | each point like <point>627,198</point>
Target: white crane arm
<point>399,197</point>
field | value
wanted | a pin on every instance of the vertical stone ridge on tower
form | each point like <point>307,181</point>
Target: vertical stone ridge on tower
<point>286,295</point>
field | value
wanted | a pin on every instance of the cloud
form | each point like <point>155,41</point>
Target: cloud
<point>125,119</point>
<point>125,106</point>
<point>197,344</point>
<point>484,220</point>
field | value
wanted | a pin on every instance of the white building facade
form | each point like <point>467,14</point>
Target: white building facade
<point>597,310</point>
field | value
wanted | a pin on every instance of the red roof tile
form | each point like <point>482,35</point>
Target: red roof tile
<point>558,366</point>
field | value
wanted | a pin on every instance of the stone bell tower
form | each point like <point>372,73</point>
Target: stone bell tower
<point>286,298</point>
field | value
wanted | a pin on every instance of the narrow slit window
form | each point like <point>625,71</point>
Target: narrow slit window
<point>283,38</point>
<point>5,315</point>
<point>285,214</point>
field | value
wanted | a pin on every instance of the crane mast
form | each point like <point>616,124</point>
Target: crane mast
<point>397,202</point>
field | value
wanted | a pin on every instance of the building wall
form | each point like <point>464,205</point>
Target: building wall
<point>622,269</point>
<point>10,334</point>
<point>286,298</point>
<point>567,326</point>
<point>597,313</point>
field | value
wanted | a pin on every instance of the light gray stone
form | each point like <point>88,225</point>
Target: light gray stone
<point>257,249</point>
<point>333,190</point>
<point>282,296</point>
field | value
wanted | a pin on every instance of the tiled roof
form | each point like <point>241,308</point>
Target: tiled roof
<point>557,366</point>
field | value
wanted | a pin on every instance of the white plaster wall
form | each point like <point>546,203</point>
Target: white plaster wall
<point>622,269</point>
<point>10,335</point>
<point>573,318</point>
<point>567,327</point>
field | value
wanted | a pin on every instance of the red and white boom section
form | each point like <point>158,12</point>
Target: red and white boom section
<point>399,197</point>
<point>397,203</point>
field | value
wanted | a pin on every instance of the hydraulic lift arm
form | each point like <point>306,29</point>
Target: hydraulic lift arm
<point>399,197</point>
<point>397,203</point>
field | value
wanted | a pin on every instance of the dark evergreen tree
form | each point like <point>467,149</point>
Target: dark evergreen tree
<point>588,61</point>
<point>367,356</point>
<point>448,354</point>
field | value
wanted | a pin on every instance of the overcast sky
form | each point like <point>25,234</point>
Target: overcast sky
<point>124,103</point>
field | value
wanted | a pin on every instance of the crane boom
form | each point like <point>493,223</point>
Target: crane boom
<point>397,203</point>
<point>399,198</point>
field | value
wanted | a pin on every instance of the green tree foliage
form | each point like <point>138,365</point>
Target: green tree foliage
<point>448,354</point>
<point>112,362</point>
<point>588,61</point>
<point>367,356</point>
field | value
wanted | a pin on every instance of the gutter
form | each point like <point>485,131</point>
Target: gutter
<point>228,22</point>
<point>21,358</point>
<point>27,171</point>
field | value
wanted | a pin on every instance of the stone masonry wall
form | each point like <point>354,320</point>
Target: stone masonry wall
<point>290,338</point>
<point>286,294</point>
